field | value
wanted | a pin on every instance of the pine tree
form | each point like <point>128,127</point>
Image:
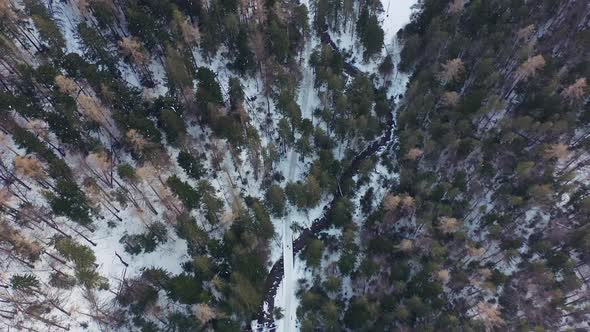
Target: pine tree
<point>275,199</point>
<point>370,33</point>
<point>191,165</point>
<point>178,71</point>
<point>189,196</point>
<point>208,90</point>
<point>24,282</point>
<point>313,253</point>
<point>84,261</point>
<point>173,126</point>
<point>48,29</point>
<point>68,200</point>
<point>211,204</point>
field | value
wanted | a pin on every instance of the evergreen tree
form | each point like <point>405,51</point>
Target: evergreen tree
<point>275,199</point>
<point>25,282</point>
<point>189,196</point>
<point>370,33</point>
<point>70,201</point>
<point>173,125</point>
<point>191,165</point>
<point>313,253</point>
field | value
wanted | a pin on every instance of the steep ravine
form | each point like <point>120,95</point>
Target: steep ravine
<point>264,318</point>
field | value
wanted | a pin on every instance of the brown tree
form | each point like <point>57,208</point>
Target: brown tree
<point>449,99</point>
<point>132,47</point>
<point>557,151</point>
<point>91,109</point>
<point>451,70</point>
<point>39,127</point>
<point>66,85</point>
<point>408,204</point>
<point>449,225</point>
<point>100,164</point>
<point>524,33</point>
<point>576,92</point>
<point>443,276</point>
<point>406,245</point>
<point>530,67</point>
<point>6,197</point>
<point>137,140</point>
<point>204,312</point>
<point>6,11</point>
<point>391,202</point>
<point>414,154</point>
<point>83,6</point>
<point>29,250</point>
<point>29,166</point>
<point>183,26</point>
<point>490,315</point>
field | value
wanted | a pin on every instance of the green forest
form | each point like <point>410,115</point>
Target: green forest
<point>313,165</point>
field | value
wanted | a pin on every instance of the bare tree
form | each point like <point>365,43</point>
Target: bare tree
<point>490,315</point>
<point>132,47</point>
<point>449,99</point>
<point>576,92</point>
<point>29,166</point>
<point>557,151</point>
<point>525,33</point>
<point>258,45</point>
<point>449,225</point>
<point>204,312</point>
<point>530,67</point>
<point>414,154</point>
<point>66,85</point>
<point>451,70</point>
<point>391,202</point>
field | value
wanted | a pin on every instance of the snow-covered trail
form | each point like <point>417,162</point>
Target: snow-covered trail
<point>396,15</point>
<point>307,100</point>
<point>288,278</point>
<point>288,256</point>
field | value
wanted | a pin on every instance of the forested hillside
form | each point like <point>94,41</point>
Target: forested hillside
<point>494,154</point>
<point>224,165</point>
<point>487,227</point>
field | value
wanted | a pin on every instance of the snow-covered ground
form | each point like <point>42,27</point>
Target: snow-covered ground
<point>396,14</point>
<point>170,255</point>
<point>129,219</point>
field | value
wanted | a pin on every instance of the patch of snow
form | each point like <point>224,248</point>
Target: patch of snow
<point>396,14</point>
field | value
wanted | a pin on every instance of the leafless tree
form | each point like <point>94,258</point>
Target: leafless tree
<point>451,70</point>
